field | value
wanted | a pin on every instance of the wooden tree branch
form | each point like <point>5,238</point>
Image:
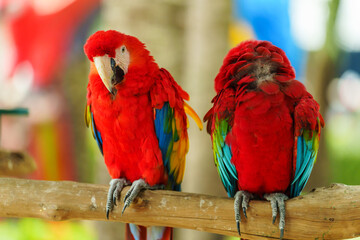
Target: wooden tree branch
<point>16,163</point>
<point>325,213</point>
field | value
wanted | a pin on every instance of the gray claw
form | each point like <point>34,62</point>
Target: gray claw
<point>244,211</point>
<point>107,212</point>
<point>242,199</point>
<point>116,185</point>
<point>277,201</point>
<point>135,189</point>
<point>238,227</point>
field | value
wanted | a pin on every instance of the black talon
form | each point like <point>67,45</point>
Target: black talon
<point>126,196</point>
<point>123,210</point>
<point>109,208</point>
<point>107,214</point>
<point>244,211</point>
<point>281,234</point>
<point>273,220</point>
<point>238,227</point>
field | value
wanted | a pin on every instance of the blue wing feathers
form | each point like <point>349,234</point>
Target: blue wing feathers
<point>164,118</point>
<point>223,157</point>
<point>306,155</point>
<point>302,158</point>
<point>223,171</point>
<point>163,130</point>
<point>96,134</point>
<point>230,166</point>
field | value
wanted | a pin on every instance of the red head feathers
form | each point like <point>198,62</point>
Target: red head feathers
<point>254,59</point>
<point>106,42</point>
<point>120,58</point>
<point>103,42</point>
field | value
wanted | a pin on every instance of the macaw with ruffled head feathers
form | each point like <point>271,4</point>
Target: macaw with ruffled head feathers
<point>137,114</point>
<point>265,128</point>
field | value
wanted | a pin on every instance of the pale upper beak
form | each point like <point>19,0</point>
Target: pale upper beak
<point>104,69</point>
<point>109,72</point>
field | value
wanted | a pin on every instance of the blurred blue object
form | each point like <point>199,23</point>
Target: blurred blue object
<point>270,21</point>
<point>349,61</point>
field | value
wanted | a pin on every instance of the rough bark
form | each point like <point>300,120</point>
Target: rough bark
<point>325,213</point>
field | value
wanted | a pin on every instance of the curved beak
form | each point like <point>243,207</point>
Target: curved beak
<point>109,72</point>
<point>103,67</point>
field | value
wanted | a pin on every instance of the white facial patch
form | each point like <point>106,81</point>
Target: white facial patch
<point>122,58</point>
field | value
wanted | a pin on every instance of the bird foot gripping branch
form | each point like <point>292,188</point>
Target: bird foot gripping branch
<point>242,199</point>
<point>277,201</point>
<point>116,186</point>
<point>135,189</point>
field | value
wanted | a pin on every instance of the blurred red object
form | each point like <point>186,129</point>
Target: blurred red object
<point>43,39</point>
<point>40,36</point>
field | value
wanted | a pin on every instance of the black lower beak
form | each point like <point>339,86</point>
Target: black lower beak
<point>118,76</point>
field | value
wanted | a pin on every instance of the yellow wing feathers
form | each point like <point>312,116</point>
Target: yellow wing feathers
<point>181,146</point>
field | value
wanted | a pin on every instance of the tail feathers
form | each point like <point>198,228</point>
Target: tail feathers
<point>135,232</point>
<point>159,233</point>
<point>191,112</point>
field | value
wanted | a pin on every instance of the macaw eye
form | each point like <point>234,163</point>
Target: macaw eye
<point>123,49</point>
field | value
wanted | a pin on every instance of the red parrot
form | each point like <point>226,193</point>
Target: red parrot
<point>137,114</point>
<point>264,126</point>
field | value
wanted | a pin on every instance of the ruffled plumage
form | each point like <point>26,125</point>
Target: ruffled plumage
<point>264,121</point>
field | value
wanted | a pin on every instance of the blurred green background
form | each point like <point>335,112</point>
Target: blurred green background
<point>45,70</point>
